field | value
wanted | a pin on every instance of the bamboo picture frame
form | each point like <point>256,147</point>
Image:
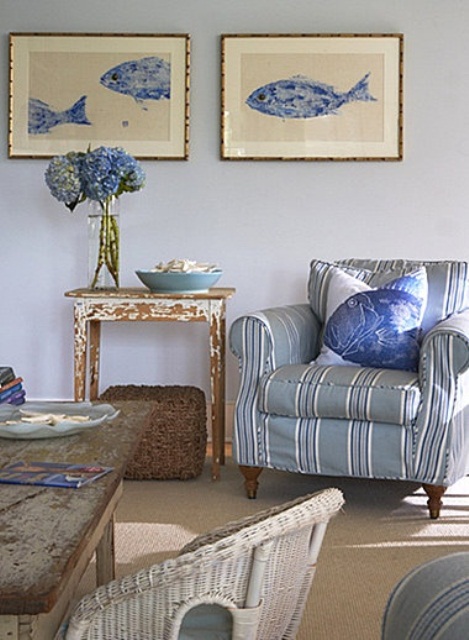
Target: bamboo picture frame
<point>312,97</point>
<point>71,91</point>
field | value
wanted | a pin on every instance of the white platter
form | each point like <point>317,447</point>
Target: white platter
<point>98,413</point>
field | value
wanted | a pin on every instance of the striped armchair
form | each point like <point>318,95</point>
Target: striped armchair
<point>356,421</point>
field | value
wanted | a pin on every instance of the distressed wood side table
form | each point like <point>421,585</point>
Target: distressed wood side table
<point>93,306</point>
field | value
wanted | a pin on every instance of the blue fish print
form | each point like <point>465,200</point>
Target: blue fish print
<point>42,117</point>
<point>301,97</point>
<point>144,79</point>
<point>381,327</point>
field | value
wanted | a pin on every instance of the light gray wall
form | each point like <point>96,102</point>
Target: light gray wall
<point>261,221</point>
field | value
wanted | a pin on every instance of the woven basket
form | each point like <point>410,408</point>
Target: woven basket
<point>174,439</point>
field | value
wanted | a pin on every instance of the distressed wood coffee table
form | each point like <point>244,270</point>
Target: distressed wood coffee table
<point>48,535</point>
<point>92,306</point>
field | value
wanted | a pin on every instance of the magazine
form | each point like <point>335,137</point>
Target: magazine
<point>52,474</point>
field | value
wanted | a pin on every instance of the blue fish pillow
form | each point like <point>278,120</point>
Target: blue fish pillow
<point>377,327</point>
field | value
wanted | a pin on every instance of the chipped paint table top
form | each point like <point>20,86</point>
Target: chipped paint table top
<point>93,306</point>
<point>48,534</point>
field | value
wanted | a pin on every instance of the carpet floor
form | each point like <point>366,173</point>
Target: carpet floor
<point>382,532</point>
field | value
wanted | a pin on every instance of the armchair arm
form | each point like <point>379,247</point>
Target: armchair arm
<point>443,373</point>
<point>450,336</point>
<point>280,335</point>
<point>264,341</point>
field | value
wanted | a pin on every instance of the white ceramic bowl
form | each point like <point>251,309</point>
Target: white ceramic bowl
<point>174,282</point>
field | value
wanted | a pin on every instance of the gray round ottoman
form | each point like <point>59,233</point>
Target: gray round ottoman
<point>431,602</point>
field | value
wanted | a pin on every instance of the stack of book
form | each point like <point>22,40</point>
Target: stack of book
<point>11,387</point>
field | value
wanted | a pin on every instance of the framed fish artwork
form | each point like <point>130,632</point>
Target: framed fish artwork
<point>312,97</point>
<point>70,91</point>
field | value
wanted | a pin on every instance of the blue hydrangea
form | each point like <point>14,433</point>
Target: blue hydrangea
<point>132,177</point>
<point>99,174</point>
<point>100,177</point>
<point>63,179</point>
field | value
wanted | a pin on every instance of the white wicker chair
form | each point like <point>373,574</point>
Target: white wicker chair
<point>247,580</point>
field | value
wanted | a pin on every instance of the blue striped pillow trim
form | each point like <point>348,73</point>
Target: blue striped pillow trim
<point>442,611</point>
<point>431,601</point>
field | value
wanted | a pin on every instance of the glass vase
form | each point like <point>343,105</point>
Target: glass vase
<point>103,244</point>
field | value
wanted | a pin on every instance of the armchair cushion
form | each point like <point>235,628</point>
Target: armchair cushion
<point>374,327</point>
<point>352,393</point>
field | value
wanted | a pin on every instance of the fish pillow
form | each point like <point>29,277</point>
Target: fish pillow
<point>378,327</point>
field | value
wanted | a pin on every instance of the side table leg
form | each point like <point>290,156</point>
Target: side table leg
<point>217,379</point>
<point>94,354</point>
<point>79,351</point>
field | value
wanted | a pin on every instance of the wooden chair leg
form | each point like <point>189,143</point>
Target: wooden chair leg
<point>434,493</point>
<point>250,479</point>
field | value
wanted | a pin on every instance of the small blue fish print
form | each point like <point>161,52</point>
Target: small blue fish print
<point>144,79</point>
<point>380,327</point>
<point>42,117</point>
<point>302,97</point>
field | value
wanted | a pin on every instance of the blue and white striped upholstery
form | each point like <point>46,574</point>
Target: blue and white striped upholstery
<point>355,421</point>
<point>359,393</point>
<point>431,602</point>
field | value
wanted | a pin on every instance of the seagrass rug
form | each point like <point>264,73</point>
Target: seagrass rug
<point>382,532</point>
